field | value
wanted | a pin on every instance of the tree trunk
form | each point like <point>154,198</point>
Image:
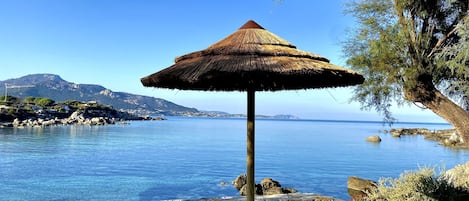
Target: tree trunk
<point>425,93</point>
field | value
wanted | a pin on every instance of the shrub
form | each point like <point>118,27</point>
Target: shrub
<point>458,176</point>
<point>424,184</point>
<point>29,99</point>
<point>43,101</point>
<point>72,102</point>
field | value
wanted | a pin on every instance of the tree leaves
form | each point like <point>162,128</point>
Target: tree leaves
<point>397,42</point>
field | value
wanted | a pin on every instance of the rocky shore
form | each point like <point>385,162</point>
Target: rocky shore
<point>76,118</point>
<point>447,137</point>
<point>69,113</point>
<point>268,190</point>
<point>268,186</point>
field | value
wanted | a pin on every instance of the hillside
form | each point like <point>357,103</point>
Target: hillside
<point>54,87</point>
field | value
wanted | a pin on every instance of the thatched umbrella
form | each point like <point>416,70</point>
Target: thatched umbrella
<point>251,59</point>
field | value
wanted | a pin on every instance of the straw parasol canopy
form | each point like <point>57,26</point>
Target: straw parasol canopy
<point>251,59</point>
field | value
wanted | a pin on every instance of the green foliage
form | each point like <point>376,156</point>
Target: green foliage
<point>44,101</point>
<point>424,184</point>
<point>456,58</point>
<point>458,176</point>
<point>9,100</point>
<point>72,103</point>
<point>396,42</point>
<point>29,100</point>
<point>11,111</point>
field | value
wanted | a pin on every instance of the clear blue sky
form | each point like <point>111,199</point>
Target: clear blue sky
<point>114,43</point>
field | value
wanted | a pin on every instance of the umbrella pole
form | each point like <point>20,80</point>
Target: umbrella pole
<point>250,147</point>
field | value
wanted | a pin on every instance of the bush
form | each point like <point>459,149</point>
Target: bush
<point>43,101</point>
<point>458,176</point>
<point>29,99</point>
<point>424,184</point>
<point>72,102</point>
<point>9,100</point>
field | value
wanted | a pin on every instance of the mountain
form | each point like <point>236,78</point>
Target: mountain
<point>54,87</point>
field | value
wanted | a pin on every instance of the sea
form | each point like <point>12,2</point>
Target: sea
<point>185,158</point>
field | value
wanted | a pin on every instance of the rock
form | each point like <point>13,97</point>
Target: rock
<point>239,182</point>
<point>5,125</point>
<point>268,183</point>
<point>452,140</point>
<point>373,138</point>
<point>16,122</point>
<point>75,115</point>
<point>272,191</point>
<point>395,133</point>
<point>409,131</point>
<point>358,188</point>
<point>243,190</point>
<point>289,190</point>
<point>271,187</point>
<point>268,186</point>
<point>447,137</point>
<point>49,122</point>
<point>223,183</point>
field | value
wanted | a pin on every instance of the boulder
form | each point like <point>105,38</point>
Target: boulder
<point>268,183</point>
<point>373,138</point>
<point>239,182</point>
<point>271,187</point>
<point>16,122</point>
<point>395,133</point>
<point>358,188</point>
<point>75,115</point>
<point>272,191</point>
<point>48,122</point>
<point>454,139</point>
<point>243,191</point>
<point>289,190</point>
<point>267,186</point>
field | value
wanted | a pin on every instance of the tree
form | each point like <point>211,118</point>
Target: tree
<point>9,100</point>
<point>413,51</point>
<point>29,99</point>
<point>43,101</point>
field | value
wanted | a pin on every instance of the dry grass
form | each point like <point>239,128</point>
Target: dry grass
<point>425,184</point>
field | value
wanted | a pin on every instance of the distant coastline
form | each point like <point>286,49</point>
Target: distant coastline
<point>296,118</point>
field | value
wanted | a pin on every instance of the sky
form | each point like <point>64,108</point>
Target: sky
<point>114,43</point>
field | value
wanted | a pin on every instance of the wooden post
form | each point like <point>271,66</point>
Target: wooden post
<point>250,147</point>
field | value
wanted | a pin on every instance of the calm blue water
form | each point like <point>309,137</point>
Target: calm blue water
<point>186,158</point>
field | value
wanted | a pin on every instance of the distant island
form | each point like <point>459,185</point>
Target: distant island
<point>55,88</point>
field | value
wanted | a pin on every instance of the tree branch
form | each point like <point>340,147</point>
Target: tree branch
<point>442,39</point>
